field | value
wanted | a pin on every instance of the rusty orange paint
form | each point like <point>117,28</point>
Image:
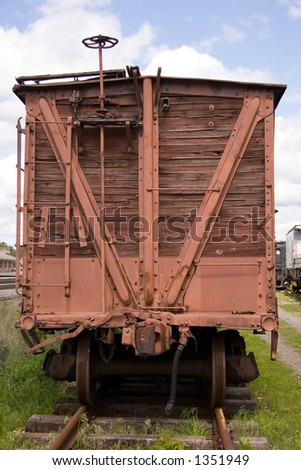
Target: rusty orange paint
<point>153,202</point>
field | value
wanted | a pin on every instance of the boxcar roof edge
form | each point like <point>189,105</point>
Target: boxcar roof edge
<point>21,86</point>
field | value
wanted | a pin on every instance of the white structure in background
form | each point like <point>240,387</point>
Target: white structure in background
<point>7,262</point>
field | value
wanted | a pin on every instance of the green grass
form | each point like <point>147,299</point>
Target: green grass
<point>278,394</point>
<point>291,337</point>
<point>25,389</point>
<point>290,302</point>
<point>168,436</point>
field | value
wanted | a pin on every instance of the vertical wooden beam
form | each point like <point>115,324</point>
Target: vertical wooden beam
<point>148,177</point>
<point>155,183</point>
<point>269,227</point>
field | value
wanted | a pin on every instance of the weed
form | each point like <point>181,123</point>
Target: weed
<point>147,426</point>
<point>244,424</point>
<point>245,444</point>
<point>82,432</point>
<point>190,425</point>
<point>167,442</point>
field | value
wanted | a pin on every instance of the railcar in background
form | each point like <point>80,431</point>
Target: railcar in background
<point>293,258</point>
<point>281,275</point>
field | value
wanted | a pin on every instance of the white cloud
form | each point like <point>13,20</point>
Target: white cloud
<point>188,62</point>
<point>288,151</point>
<point>53,7</point>
<point>208,44</point>
<point>232,34</point>
<point>10,110</point>
<point>294,7</point>
<point>286,219</point>
<point>294,96</point>
<point>8,177</point>
<point>255,27</point>
<point>53,43</point>
<point>227,34</point>
<point>295,11</point>
<point>133,48</point>
<point>287,173</point>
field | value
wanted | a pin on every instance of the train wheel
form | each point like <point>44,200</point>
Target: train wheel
<point>218,381</point>
<point>85,385</point>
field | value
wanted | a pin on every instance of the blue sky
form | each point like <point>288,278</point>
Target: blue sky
<point>245,40</point>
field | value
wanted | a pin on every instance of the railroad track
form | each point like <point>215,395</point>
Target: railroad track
<point>7,282</point>
<point>221,438</point>
<point>7,287</point>
<point>137,421</point>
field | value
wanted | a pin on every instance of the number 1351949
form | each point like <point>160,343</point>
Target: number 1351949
<point>223,459</point>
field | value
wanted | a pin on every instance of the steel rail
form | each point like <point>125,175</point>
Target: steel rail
<point>223,429</point>
<point>7,282</point>
<point>66,438</point>
<point>7,286</point>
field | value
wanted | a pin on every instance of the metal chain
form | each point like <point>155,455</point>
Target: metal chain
<point>111,353</point>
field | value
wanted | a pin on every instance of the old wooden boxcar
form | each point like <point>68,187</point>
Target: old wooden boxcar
<point>148,225</point>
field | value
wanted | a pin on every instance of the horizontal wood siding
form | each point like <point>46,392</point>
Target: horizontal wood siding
<point>193,135</point>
